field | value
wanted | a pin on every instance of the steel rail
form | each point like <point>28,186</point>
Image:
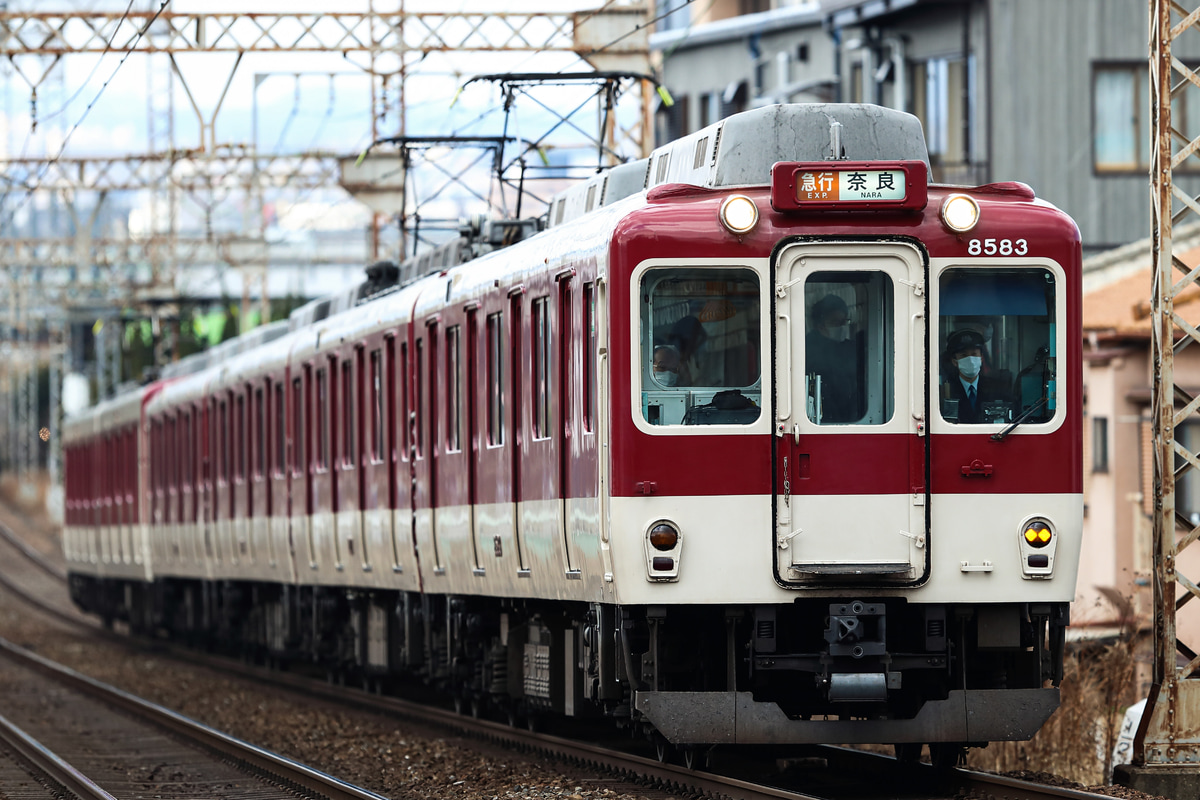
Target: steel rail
<point>39,560</point>
<point>969,782</point>
<point>264,762</point>
<point>49,763</point>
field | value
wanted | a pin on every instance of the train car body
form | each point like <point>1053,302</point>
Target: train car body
<point>704,456</point>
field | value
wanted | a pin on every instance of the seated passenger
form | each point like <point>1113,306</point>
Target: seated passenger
<point>966,386</point>
<point>666,365</point>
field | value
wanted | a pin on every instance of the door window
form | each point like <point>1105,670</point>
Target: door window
<point>700,362</point>
<point>996,339</point>
<point>849,348</point>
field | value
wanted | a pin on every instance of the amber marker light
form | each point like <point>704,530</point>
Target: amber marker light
<point>739,214</point>
<point>664,536</point>
<point>960,213</point>
<point>1038,534</point>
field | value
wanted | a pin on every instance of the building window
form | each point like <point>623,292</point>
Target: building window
<point>710,108</point>
<point>672,15</point>
<point>1121,118</point>
<point>938,101</point>
<point>1099,444</point>
<point>671,121</point>
<point>1187,481</point>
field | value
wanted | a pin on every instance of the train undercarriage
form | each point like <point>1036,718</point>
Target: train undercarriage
<point>816,670</point>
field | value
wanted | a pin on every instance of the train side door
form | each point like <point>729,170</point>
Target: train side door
<point>472,433</point>
<point>850,492</point>
<point>566,337</point>
<point>519,426</point>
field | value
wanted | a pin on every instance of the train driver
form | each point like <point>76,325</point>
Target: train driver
<point>968,395</point>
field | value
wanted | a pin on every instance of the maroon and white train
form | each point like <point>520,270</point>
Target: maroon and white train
<point>694,453</point>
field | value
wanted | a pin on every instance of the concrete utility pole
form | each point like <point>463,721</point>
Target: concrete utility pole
<point>1167,747</point>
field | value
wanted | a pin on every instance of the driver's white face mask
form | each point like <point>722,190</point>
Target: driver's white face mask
<point>667,378</point>
<point>969,366</point>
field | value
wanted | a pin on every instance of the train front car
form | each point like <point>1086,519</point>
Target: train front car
<point>846,491</point>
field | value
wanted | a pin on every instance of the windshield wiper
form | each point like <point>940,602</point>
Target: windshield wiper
<point>999,437</point>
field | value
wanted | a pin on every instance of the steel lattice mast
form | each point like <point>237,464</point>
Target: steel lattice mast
<point>1170,730</point>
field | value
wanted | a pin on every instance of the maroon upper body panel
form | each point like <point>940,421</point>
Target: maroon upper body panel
<point>682,223</point>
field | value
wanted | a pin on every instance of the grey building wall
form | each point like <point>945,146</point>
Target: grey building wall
<point>1029,65</point>
<point>1043,104</point>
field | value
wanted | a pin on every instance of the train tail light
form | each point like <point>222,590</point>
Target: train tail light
<point>1038,534</point>
<point>663,545</point>
<point>1037,543</point>
<point>664,536</point>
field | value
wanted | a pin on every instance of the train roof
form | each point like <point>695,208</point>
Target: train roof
<point>737,151</point>
<point>740,150</point>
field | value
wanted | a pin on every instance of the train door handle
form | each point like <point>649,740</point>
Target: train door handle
<point>785,381</point>
<point>977,469</point>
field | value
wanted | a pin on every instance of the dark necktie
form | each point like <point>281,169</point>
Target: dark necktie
<point>971,396</point>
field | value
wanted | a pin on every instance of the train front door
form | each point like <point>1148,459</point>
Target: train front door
<point>850,444</point>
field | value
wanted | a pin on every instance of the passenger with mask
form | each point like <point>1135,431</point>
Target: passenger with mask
<point>831,354</point>
<point>666,365</point>
<point>966,390</point>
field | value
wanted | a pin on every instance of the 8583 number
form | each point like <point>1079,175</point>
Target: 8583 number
<point>992,247</point>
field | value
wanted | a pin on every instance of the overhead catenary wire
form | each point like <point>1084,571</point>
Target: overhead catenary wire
<point>29,134</point>
<point>95,69</point>
<point>31,188</point>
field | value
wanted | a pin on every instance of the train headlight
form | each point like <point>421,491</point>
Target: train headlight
<point>664,536</point>
<point>960,213</point>
<point>1036,544</point>
<point>739,214</point>
<point>663,548</point>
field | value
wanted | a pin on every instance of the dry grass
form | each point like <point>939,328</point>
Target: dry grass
<point>1077,742</point>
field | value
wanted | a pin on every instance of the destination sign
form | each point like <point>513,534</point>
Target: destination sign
<point>847,185</point>
<point>854,186</point>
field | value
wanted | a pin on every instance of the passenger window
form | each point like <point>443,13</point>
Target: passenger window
<point>700,362</point>
<point>849,348</point>
<point>996,340</point>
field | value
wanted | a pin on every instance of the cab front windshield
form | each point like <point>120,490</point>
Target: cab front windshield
<point>700,362</point>
<point>997,331</point>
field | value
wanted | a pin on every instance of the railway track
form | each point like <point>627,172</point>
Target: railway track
<point>828,772</point>
<point>30,771</point>
<point>113,739</point>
